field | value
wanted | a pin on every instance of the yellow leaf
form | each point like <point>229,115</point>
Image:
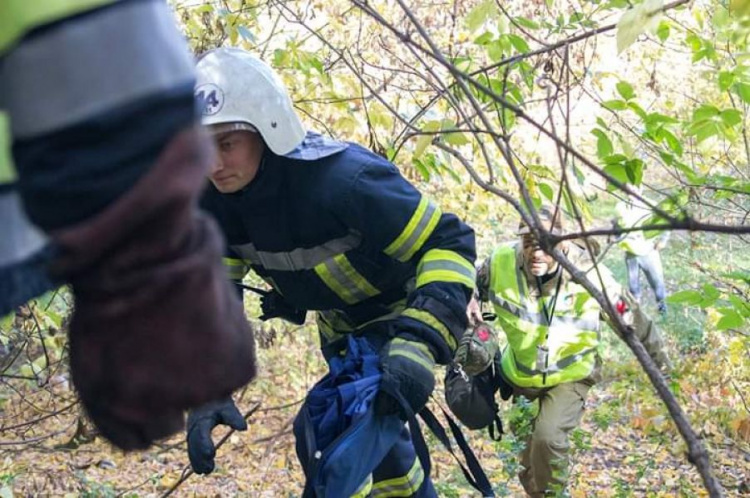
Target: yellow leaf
<point>640,422</point>
<point>739,8</point>
<point>168,480</point>
<point>742,427</point>
<point>424,140</point>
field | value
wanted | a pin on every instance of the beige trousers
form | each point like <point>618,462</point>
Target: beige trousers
<point>545,458</point>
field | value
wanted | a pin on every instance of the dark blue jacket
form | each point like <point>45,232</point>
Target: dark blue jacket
<point>335,228</point>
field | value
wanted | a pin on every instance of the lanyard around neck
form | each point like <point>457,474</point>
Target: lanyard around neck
<point>549,313</point>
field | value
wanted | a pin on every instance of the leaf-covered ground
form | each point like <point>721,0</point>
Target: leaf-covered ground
<point>626,446</point>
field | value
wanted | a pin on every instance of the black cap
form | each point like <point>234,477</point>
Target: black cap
<point>545,214</point>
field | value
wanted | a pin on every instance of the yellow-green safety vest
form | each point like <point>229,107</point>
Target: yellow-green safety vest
<point>572,339</point>
<point>630,215</point>
<point>17,17</point>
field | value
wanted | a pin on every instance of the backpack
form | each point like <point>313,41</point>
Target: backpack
<point>339,440</point>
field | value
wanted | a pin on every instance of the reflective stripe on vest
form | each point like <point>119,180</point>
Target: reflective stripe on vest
<point>573,337</point>
<point>406,485</point>
<point>417,231</point>
<point>301,258</point>
<point>17,17</point>
<point>343,279</point>
<point>20,239</point>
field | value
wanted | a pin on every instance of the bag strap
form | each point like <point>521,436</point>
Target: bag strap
<point>496,425</point>
<point>420,446</point>
<point>475,474</point>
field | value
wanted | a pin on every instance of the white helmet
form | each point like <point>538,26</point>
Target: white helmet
<point>239,91</point>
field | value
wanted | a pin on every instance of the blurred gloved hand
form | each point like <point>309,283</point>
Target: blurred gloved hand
<point>408,369</point>
<point>157,329</point>
<point>200,423</point>
<point>274,305</point>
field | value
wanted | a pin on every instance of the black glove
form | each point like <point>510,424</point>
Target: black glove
<point>408,369</point>
<point>274,305</point>
<point>201,422</point>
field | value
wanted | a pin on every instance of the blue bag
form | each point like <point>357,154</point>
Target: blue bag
<point>339,440</point>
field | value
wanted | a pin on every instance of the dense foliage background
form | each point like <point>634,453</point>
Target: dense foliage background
<point>486,106</point>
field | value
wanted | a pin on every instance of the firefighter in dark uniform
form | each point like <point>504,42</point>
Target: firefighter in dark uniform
<point>335,229</point>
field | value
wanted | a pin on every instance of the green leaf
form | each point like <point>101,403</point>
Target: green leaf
<point>457,138</point>
<point>484,38</point>
<point>705,112</point>
<point>421,168</point>
<point>603,144</point>
<point>742,307</point>
<point>721,17</point>
<point>628,29</point>
<point>710,295</point>
<point>730,319</point>
<point>702,129</point>
<point>618,172</point>
<point>615,159</point>
<point>743,90</point>
<point>547,191</point>
<point>731,117</point>
<point>496,50</point>
<point>738,275</point>
<point>526,23</point>
<point>638,20</point>
<point>726,78</point>
<point>634,171</point>
<point>625,90</point>
<point>706,131</point>
<point>662,32</point>
<point>656,117</point>
<point>638,110</point>
<point>687,297</point>
<point>672,141</point>
<point>480,14</point>
<point>615,105</point>
<point>518,43</point>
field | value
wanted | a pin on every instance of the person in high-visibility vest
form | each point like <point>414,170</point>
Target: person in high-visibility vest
<point>642,249</point>
<point>552,325</point>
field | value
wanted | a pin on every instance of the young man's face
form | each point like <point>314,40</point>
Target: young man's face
<point>238,160</point>
<point>537,262</point>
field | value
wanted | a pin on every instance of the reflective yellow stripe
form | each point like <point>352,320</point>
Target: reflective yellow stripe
<point>364,489</point>
<point>415,351</point>
<point>335,324</point>
<point>343,279</point>
<point>417,231</point>
<point>427,318</point>
<point>400,486</point>
<point>7,170</point>
<point>236,268</point>
<point>20,16</point>
<point>440,265</point>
